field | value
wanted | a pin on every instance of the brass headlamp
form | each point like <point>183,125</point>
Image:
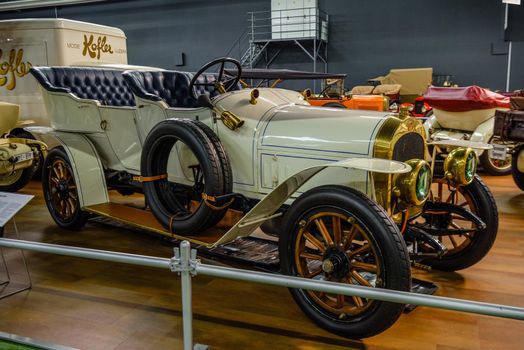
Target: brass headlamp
<point>460,166</point>
<point>414,187</point>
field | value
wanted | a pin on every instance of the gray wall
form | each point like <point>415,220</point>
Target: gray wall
<point>367,37</point>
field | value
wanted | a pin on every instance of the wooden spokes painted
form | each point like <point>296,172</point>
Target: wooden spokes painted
<point>63,189</point>
<point>441,193</point>
<point>334,247</point>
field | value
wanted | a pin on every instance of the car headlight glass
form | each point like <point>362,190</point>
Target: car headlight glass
<point>413,187</point>
<point>423,183</point>
<point>460,166</point>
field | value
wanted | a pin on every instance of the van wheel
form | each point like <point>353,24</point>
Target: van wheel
<point>192,164</point>
<point>60,191</point>
<point>334,233</point>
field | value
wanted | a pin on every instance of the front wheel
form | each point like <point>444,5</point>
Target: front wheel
<point>465,250</point>
<point>60,191</point>
<point>334,233</point>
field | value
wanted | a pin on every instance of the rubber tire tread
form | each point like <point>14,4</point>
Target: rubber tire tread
<point>399,273</point>
<point>483,241</point>
<point>80,217</point>
<point>211,155</point>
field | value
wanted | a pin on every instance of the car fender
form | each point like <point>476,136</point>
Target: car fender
<point>85,162</point>
<point>267,207</point>
<point>483,133</point>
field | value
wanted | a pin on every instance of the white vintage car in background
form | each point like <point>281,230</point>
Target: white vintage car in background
<point>347,193</point>
<point>468,113</point>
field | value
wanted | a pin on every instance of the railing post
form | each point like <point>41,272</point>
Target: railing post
<point>184,262</point>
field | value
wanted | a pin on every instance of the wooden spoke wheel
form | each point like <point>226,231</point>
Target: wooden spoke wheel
<point>337,234</point>
<point>464,249</point>
<point>334,247</point>
<point>60,191</point>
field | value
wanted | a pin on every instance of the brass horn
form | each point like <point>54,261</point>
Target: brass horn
<point>231,121</point>
<point>306,93</point>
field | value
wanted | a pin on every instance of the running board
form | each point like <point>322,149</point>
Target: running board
<point>145,220</point>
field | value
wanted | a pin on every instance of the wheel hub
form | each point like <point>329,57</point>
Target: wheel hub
<point>335,263</point>
<point>63,189</point>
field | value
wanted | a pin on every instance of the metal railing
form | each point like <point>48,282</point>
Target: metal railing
<point>185,263</point>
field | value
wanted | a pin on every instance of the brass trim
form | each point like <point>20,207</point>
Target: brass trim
<point>406,184</point>
<point>455,166</point>
<point>390,132</point>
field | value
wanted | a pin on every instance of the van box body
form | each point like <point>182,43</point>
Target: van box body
<point>50,42</point>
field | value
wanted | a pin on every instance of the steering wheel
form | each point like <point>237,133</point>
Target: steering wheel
<point>224,81</point>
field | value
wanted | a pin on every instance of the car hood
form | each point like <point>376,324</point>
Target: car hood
<point>336,132</point>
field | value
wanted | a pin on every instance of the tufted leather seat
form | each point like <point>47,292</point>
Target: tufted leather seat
<point>169,86</point>
<point>104,85</point>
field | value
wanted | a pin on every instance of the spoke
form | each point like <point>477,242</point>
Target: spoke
<point>440,186</point>
<point>337,230</point>
<point>358,301</point>
<point>315,241</point>
<point>340,300</point>
<point>314,273</point>
<point>54,180</point>
<point>456,226</point>
<point>450,198</point>
<point>364,266</point>
<point>463,204</point>
<point>61,170</point>
<point>361,280</point>
<point>350,236</point>
<point>221,71</point>
<point>453,241</point>
<point>55,170</point>
<point>364,249</point>
<point>311,256</point>
<point>324,231</point>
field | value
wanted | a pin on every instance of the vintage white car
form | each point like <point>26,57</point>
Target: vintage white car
<point>346,192</point>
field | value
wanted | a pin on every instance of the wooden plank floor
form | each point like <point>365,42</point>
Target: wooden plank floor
<point>98,305</point>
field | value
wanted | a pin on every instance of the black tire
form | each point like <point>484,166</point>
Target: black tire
<point>39,162</point>
<point>484,206</point>
<point>334,105</point>
<point>15,180</point>
<point>518,176</point>
<point>386,250</point>
<point>490,165</point>
<point>163,196</point>
<point>63,193</point>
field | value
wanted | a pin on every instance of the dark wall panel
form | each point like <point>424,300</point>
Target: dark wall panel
<point>367,37</point>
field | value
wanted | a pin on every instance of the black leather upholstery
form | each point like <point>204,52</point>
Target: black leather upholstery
<point>104,85</point>
<point>169,86</point>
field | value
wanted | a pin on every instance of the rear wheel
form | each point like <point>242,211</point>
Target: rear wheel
<point>334,233</point>
<point>492,166</point>
<point>60,191</point>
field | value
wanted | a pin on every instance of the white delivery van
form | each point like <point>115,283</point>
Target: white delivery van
<point>51,42</point>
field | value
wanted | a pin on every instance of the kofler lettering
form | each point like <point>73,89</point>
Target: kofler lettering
<point>94,49</point>
<point>13,67</point>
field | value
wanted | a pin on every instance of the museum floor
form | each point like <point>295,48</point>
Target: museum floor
<point>97,305</point>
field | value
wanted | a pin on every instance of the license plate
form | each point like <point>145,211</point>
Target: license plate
<point>498,152</point>
<point>24,156</point>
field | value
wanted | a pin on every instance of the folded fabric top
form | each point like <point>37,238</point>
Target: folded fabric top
<point>464,99</point>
